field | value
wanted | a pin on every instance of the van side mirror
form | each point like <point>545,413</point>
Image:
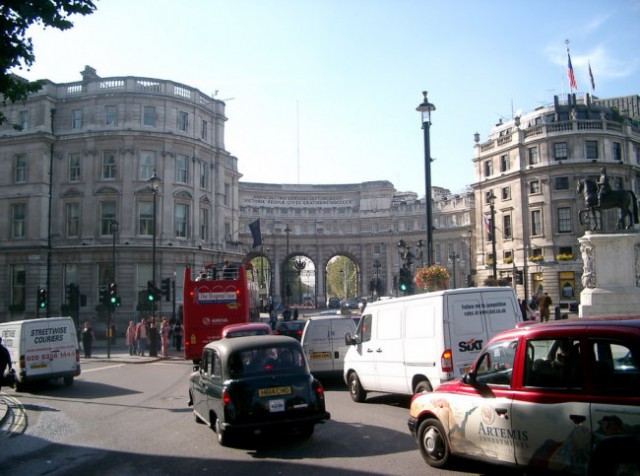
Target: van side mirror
<point>349,339</point>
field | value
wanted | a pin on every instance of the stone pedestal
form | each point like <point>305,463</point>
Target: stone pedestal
<point>611,275</point>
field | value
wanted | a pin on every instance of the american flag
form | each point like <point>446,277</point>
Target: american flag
<point>572,78</point>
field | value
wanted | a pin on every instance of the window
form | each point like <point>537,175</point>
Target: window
<point>637,152</point>
<point>74,168</point>
<point>507,231</point>
<point>504,163</point>
<point>21,168</point>
<point>618,183</point>
<point>488,168</point>
<point>553,363</point>
<point>592,149</point>
<point>149,116</point>
<point>536,222</point>
<point>145,220</point>
<point>227,191</point>
<point>18,286</point>
<point>534,187</point>
<point>496,363</point>
<point>109,165</point>
<point>107,215</point>
<point>616,151</point>
<point>110,115</point>
<point>562,183</point>
<point>182,169</point>
<point>76,119</point>
<point>18,220</point>
<point>203,130</point>
<point>183,121</point>
<point>567,283</point>
<point>533,155</point>
<point>182,220</point>
<point>23,120</point>
<point>204,224</point>
<point>564,220</point>
<point>204,179</point>
<point>506,193</point>
<point>147,164</point>
<point>560,151</point>
<point>616,367</point>
<point>73,220</point>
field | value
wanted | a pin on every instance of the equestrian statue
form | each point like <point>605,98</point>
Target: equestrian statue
<point>600,196</point>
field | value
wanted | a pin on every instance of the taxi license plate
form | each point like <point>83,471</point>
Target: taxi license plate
<point>320,355</point>
<point>274,391</point>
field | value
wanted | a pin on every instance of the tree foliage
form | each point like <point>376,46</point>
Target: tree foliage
<point>16,48</point>
<point>342,271</point>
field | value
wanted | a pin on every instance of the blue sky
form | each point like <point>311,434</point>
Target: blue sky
<point>325,91</point>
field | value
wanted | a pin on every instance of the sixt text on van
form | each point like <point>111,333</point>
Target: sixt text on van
<point>52,334</point>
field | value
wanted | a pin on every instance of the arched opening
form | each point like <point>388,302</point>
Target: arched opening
<point>342,280</point>
<point>299,277</point>
<point>264,275</point>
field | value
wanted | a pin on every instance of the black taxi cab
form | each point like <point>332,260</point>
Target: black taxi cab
<point>561,396</point>
<point>254,385</point>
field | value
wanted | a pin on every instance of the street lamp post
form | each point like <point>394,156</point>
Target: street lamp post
<point>491,199</point>
<point>154,186</point>
<point>287,288</point>
<point>453,257</point>
<point>111,307</point>
<point>425,110</point>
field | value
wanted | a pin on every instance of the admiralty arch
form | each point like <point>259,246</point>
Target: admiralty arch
<point>363,222</point>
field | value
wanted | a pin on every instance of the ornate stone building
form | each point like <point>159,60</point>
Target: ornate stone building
<point>531,166</point>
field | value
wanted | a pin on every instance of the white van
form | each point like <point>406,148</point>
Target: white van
<point>323,341</point>
<point>42,349</point>
<point>412,344</point>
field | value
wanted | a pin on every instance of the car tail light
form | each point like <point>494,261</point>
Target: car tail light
<point>299,333</point>
<point>317,387</point>
<point>447,361</point>
<point>226,399</point>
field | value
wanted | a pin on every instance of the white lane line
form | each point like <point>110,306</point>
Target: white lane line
<point>85,371</point>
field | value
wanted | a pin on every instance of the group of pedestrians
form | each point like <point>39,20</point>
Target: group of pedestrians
<point>538,306</point>
<point>153,335</point>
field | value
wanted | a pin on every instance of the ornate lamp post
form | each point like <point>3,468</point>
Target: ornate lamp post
<point>299,264</point>
<point>425,109</point>
<point>453,257</point>
<point>154,185</point>
<point>491,199</point>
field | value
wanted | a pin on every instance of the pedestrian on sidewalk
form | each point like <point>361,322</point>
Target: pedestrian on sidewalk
<point>153,337</point>
<point>142,334</point>
<point>164,337</point>
<point>177,335</point>
<point>87,339</point>
<point>130,338</point>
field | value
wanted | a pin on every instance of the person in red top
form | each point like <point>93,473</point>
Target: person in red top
<point>142,336</point>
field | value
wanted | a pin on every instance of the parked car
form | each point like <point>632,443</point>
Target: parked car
<point>256,385</point>
<point>290,328</point>
<point>559,396</point>
<point>247,329</point>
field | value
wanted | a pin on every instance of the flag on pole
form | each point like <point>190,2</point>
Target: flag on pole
<point>487,227</point>
<point>572,78</point>
<point>593,83</point>
<point>255,232</point>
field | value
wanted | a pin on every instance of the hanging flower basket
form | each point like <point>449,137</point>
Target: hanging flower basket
<point>536,259</point>
<point>507,260</point>
<point>564,257</point>
<point>433,278</point>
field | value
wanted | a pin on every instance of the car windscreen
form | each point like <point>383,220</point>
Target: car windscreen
<point>266,359</point>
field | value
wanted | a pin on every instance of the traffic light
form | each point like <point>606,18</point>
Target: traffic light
<point>42,298</point>
<point>104,297</point>
<point>113,293</point>
<point>519,277</point>
<point>153,293</point>
<point>166,289</point>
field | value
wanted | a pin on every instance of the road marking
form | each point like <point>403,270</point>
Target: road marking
<point>84,371</point>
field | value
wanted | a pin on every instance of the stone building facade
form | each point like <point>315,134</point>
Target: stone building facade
<point>80,211</point>
<point>531,165</point>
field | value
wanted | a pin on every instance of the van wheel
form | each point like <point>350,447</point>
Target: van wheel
<point>68,381</point>
<point>423,387</point>
<point>358,394</point>
<point>433,443</point>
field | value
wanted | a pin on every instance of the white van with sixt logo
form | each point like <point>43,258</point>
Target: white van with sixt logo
<point>42,349</point>
<point>412,344</point>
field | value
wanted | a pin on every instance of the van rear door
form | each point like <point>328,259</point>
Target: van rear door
<point>316,342</point>
<point>339,328</point>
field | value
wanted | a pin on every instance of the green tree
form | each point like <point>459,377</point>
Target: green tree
<point>16,48</point>
<point>341,270</point>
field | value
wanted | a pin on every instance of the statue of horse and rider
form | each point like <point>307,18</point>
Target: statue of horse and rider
<point>600,196</point>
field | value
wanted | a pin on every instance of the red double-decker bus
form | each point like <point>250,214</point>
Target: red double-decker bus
<point>221,294</point>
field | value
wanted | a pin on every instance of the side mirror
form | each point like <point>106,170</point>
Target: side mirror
<point>196,367</point>
<point>349,339</point>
